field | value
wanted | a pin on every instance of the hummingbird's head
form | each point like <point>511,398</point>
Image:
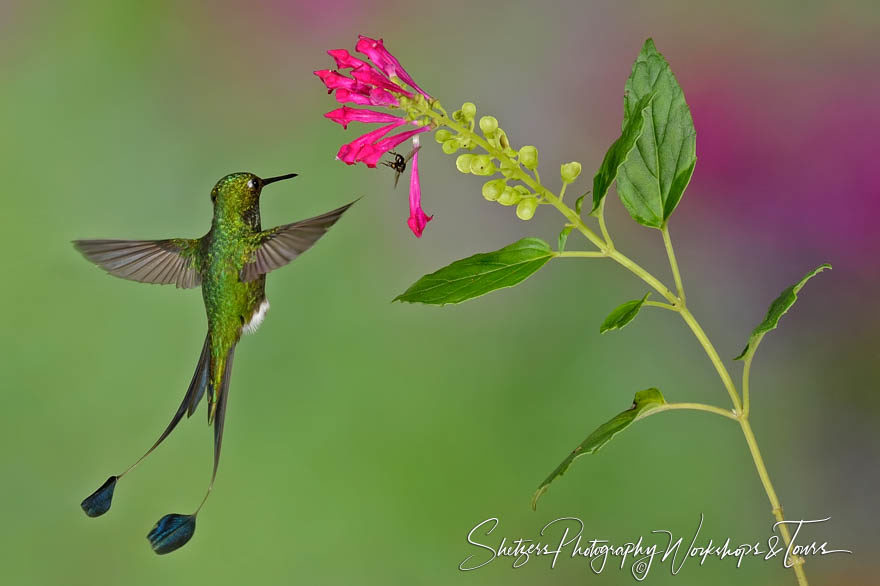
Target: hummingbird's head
<point>241,191</point>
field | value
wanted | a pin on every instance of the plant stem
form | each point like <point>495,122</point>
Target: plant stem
<point>603,227</point>
<point>701,336</point>
<point>673,263</point>
<point>644,275</point>
<point>797,562</point>
<point>607,249</point>
<point>692,407</point>
<point>582,254</point>
<point>747,369</point>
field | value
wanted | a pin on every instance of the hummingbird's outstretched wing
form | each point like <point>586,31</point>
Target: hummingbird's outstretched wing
<point>147,261</point>
<point>282,244</point>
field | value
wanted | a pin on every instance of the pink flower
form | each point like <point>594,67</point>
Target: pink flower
<point>385,61</point>
<point>349,153</point>
<point>418,219</point>
<point>377,83</point>
<point>344,60</point>
<point>346,115</point>
<point>371,153</point>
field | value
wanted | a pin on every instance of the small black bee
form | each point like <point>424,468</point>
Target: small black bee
<point>399,163</point>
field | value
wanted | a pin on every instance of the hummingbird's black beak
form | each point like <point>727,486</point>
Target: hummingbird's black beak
<point>279,178</point>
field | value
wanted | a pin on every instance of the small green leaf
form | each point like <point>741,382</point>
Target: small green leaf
<point>644,401</point>
<point>655,174</point>
<point>619,150</point>
<point>777,309</point>
<point>563,237</point>
<point>623,314</point>
<point>579,203</point>
<point>479,274</point>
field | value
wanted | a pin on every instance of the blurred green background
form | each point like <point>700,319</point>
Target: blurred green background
<point>364,439</point>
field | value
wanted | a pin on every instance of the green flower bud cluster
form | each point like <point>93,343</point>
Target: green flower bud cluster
<point>451,142</point>
<point>485,165</point>
<point>518,195</point>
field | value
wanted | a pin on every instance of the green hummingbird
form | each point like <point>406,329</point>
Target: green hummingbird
<point>230,264</point>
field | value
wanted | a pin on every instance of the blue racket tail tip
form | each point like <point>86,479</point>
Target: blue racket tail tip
<point>98,503</point>
<point>171,532</point>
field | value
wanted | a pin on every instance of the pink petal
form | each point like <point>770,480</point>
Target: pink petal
<point>385,61</point>
<point>346,115</point>
<point>344,96</point>
<point>344,59</point>
<point>418,219</point>
<point>333,80</point>
<point>371,153</point>
<point>380,97</point>
<point>348,153</point>
<point>370,76</point>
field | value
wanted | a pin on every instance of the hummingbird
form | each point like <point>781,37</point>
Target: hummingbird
<point>230,264</point>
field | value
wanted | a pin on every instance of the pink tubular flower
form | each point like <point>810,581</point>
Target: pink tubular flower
<point>418,219</point>
<point>377,82</point>
<point>385,61</point>
<point>346,115</point>
<point>350,153</point>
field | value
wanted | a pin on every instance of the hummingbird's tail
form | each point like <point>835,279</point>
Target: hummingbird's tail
<point>174,530</point>
<point>99,501</point>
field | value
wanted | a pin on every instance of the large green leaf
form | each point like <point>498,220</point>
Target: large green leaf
<point>777,309</point>
<point>619,150</point>
<point>622,314</point>
<point>481,273</point>
<point>654,176</point>
<point>643,402</point>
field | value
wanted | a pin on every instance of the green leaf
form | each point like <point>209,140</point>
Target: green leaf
<point>619,151</point>
<point>777,309</point>
<point>481,273</point>
<point>655,174</point>
<point>644,402</point>
<point>579,203</point>
<point>563,237</point>
<point>623,314</point>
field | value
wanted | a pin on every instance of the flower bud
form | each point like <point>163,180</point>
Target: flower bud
<point>468,110</point>
<point>450,146</point>
<point>492,190</point>
<point>442,135</point>
<point>482,165</point>
<point>523,190</point>
<point>463,162</point>
<point>528,156</point>
<point>503,142</point>
<point>570,171</point>
<point>509,197</point>
<point>508,170</point>
<point>525,209</point>
<point>488,124</point>
<point>466,143</point>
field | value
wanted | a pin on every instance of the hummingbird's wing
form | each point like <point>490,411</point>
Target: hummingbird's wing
<point>147,261</point>
<point>280,245</point>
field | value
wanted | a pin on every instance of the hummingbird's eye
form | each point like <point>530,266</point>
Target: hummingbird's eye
<point>252,184</point>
